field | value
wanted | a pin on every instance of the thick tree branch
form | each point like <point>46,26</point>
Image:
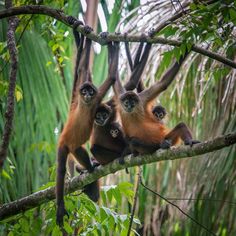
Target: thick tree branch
<point>78,182</point>
<point>9,114</point>
<point>60,16</point>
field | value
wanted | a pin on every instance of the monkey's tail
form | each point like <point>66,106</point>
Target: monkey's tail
<point>93,190</point>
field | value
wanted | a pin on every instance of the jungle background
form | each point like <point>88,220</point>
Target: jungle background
<point>203,95</point>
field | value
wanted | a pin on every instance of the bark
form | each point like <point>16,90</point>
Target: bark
<point>9,114</point>
<point>78,182</point>
<point>59,15</point>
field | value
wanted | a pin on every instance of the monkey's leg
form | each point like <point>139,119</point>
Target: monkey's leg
<point>142,147</point>
<point>180,131</point>
<point>91,190</point>
<point>61,171</point>
<point>82,157</point>
<point>104,155</point>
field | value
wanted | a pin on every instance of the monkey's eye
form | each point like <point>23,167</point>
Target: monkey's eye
<point>132,102</point>
<point>161,115</point>
<point>84,91</point>
<point>98,115</point>
<point>126,102</point>
<point>91,92</point>
<point>105,115</point>
<point>116,131</point>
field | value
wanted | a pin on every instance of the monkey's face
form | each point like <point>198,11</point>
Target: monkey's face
<point>88,92</point>
<point>159,112</point>
<point>102,116</point>
<point>114,132</point>
<point>129,102</point>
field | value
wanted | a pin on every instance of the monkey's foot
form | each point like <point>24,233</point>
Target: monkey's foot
<point>191,142</point>
<point>166,144</point>
<point>61,212</point>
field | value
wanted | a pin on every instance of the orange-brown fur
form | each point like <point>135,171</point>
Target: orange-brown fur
<point>78,126</point>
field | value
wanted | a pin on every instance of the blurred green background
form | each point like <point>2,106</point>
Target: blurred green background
<point>203,95</point>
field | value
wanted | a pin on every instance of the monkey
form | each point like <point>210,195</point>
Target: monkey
<point>108,141</point>
<point>159,112</point>
<point>145,133</point>
<point>78,127</point>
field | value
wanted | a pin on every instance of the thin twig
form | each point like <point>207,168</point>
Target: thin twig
<point>186,214</point>
<point>135,199</point>
<point>201,199</point>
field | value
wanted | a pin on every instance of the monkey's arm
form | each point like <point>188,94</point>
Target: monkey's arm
<point>128,54</point>
<point>113,51</point>
<point>138,67</point>
<point>79,40</point>
<point>152,92</point>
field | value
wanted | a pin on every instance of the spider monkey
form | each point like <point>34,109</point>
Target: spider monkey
<point>108,140</point>
<point>158,111</point>
<point>85,100</point>
<point>145,133</point>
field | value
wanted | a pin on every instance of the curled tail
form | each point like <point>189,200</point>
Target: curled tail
<point>93,190</point>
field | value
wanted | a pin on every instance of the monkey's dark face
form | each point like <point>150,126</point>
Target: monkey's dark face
<point>114,133</point>
<point>101,117</point>
<point>129,102</point>
<point>159,112</point>
<point>88,93</point>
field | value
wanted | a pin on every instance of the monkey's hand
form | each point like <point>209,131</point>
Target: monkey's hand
<point>104,35</point>
<point>191,142</point>
<point>61,212</point>
<point>166,144</point>
<point>87,29</point>
<point>73,21</point>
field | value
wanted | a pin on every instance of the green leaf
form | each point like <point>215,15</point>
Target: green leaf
<point>56,231</point>
<point>55,47</point>
<point>47,185</point>
<point>232,14</point>
<point>68,228</point>
<point>5,175</point>
<point>18,95</point>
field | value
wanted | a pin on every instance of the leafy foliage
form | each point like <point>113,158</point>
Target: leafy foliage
<point>86,217</point>
<point>203,96</point>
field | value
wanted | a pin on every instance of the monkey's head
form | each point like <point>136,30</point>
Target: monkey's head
<point>103,114</point>
<point>129,101</point>
<point>87,92</point>
<point>159,112</point>
<point>114,132</point>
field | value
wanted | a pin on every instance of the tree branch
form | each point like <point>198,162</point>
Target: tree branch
<point>60,16</point>
<point>78,182</point>
<point>9,114</point>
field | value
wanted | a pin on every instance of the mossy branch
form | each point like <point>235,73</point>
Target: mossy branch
<point>62,17</point>
<point>78,182</point>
